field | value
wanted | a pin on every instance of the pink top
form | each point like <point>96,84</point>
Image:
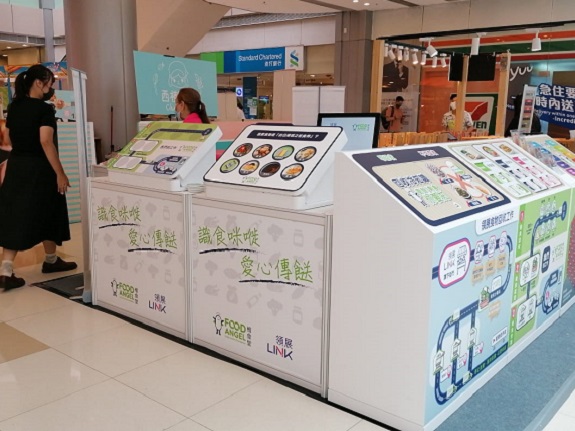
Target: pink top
<point>193,118</point>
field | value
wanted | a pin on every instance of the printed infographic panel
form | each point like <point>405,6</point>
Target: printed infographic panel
<point>431,182</point>
<point>274,157</point>
<point>138,253</point>
<point>162,148</point>
<point>542,243</point>
<point>470,306</point>
<point>258,288</point>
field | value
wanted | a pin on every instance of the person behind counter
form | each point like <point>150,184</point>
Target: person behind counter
<point>448,121</point>
<point>394,115</point>
<point>190,108</point>
<point>33,205</point>
<point>514,124</point>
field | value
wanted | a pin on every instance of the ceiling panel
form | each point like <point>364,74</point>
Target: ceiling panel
<point>320,6</point>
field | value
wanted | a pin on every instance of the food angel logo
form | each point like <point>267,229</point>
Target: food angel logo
<point>218,323</point>
<point>178,75</point>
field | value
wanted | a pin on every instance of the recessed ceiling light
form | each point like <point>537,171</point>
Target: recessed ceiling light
<point>4,55</point>
<point>356,1</point>
<point>24,45</point>
<point>8,47</point>
<point>366,4</point>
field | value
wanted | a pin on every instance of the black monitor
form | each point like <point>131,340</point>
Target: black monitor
<point>362,130</point>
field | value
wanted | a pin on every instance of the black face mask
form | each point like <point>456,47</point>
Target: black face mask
<point>47,96</point>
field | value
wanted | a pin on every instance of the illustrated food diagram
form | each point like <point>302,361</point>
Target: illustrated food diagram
<point>540,263</point>
<point>433,183</point>
<point>480,268</point>
<point>515,173</point>
<point>161,148</point>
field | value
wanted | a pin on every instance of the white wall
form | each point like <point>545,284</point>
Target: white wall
<point>307,32</point>
<point>470,15</point>
<point>27,20</point>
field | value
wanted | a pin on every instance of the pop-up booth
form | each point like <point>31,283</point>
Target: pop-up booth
<point>447,261</point>
<point>140,230</point>
<point>262,251</point>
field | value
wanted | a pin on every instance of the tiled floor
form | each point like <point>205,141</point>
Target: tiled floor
<point>67,367</point>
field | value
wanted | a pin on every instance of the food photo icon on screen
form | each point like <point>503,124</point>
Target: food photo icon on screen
<point>229,166</point>
<point>249,167</point>
<point>243,149</point>
<point>270,169</point>
<point>292,171</point>
<point>262,151</point>
<point>305,154</point>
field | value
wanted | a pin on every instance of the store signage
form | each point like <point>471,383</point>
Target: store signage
<point>259,60</point>
<point>159,79</point>
<point>556,104</point>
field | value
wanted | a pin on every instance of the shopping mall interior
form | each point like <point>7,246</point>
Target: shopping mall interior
<point>363,219</point>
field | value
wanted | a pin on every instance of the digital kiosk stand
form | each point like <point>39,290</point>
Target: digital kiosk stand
<point>261,251</point>
<point>140,229</point>
<point>448,261</point>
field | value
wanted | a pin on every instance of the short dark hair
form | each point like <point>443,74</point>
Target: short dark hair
<point>453,96</point>
<point>399,99</point>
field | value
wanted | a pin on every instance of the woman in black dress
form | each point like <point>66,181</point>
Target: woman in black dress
<point>32,197</point>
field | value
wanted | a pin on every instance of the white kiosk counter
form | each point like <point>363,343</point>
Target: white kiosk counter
<point>140,230</point>
<point>431,260</point>
<point>262,252</point>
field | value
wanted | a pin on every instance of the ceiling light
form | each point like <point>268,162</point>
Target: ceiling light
<point>24,45</point>
<point>390,53</point>
<point>434,62</point>
<point>475,42</point>
<point>414,58</point>
<point>423,58</point>
<point>385,50</point>
<point>8,47</point>
<point>406,54</point>
<point>442,59</point>
<point>399,53</point>
<point>536,43</point>
<point>366,4</point>
<point>356,1</point>
<point>431,51</point>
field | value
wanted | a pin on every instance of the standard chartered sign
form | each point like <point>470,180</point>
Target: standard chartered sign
<point>268,59</point>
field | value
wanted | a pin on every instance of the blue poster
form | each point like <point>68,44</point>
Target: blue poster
<point>159,78</point>
<point>556,104</point>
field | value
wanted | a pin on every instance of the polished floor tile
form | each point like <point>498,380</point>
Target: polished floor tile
<point>189,382</point>
<point>26,301</point>
<point>15,344</point>
<point>40,378</point>
<point>367,426</point>
<point>66,324</point>
<point>188,425</point>
<point>119,350</point>
<point>106,406</point>
<point>561,422</point>
<point>268,405</point>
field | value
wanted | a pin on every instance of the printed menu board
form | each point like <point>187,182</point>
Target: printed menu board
<point>516,173</point>
<point>275,157</point>
<point>162,148</point>
<point>432,183</point>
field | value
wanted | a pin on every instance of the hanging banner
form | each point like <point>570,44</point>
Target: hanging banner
<point>556,104</point>
<point>159,78</point>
